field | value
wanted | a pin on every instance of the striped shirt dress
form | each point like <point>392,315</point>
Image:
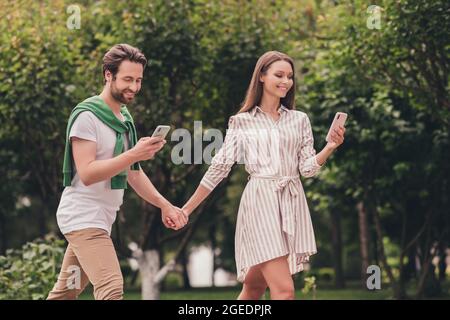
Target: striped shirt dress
<point>273,218</point>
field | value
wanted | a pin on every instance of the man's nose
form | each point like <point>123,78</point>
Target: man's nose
<point>133,86</point>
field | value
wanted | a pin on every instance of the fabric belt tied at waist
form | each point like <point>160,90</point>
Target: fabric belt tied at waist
<point>286,204</point>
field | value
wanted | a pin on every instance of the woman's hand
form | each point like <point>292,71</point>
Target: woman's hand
<point>173,217</point>
<point>336,138</point>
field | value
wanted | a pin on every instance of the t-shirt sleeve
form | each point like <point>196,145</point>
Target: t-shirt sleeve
<point>84,127</point>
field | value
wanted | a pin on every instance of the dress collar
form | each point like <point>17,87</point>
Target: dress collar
<point>256,109</point>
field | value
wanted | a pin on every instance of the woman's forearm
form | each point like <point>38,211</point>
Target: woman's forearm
<point>196,199</point>
<point>323,155</point>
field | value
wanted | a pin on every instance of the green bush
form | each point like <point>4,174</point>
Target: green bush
<point>173,281</point>
<point>30,272</point>
<point>310,286</point>
<point>322,275</point>
<point>326,274</point>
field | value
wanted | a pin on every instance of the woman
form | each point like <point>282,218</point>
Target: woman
<point>274,234</point>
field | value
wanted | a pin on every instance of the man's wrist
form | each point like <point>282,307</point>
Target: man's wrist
<point>162,202</point>
<point>131,157</point>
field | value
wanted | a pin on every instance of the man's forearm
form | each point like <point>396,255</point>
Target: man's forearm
<point>145,188</point>
<point>99,170</point>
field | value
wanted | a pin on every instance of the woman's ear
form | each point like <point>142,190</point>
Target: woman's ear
<point>261,78</point>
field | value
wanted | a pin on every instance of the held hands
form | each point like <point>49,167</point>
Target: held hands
<point>184,212</point>
<point>173,217</point>
<point>337,138</point>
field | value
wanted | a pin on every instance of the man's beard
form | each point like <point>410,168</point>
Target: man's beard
<point>120,95</point>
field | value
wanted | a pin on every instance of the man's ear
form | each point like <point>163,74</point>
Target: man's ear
<point>108,75</point>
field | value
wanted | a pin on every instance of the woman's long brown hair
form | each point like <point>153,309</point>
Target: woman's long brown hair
<point>255,89</point>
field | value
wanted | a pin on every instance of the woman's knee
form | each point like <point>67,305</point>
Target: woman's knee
<point>283,292</point>
<point>256,290</point>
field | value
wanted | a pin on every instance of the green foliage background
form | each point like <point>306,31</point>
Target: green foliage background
<point>393,83</point>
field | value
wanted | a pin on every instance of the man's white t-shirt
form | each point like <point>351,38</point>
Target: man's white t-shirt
<point>93,206</point>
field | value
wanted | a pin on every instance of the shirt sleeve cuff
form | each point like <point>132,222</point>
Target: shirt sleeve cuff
<point>207,184</point>
<point>316,164</point>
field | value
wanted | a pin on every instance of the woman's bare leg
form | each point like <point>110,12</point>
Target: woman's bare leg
<point>278,278</point>
<point>254,285</point>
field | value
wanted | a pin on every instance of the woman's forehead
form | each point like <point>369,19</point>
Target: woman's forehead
<point>281,66</point>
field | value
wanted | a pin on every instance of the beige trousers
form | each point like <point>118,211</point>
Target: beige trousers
<point>89,257</point>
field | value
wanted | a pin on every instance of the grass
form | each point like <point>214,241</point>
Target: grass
<point>325,291</point>
<point>231,294</point>
<point>350,293</point>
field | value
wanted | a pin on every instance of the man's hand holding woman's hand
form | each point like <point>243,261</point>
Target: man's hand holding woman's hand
<point>173,217</point>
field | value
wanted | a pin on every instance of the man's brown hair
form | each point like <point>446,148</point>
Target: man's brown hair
<point>120,52</point>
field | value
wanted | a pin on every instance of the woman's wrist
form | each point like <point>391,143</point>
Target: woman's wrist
<point>329,148</point>
<point>187,209</point>
<point>322,157</point>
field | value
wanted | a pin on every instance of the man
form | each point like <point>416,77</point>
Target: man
<point>102,154</point>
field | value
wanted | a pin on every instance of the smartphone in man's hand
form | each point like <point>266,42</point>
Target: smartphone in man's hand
<point>161,131</point>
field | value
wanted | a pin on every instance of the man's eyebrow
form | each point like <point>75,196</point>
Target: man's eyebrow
<point>130,77</point>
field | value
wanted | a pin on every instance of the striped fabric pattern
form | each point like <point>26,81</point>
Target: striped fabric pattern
<point>273,218</point>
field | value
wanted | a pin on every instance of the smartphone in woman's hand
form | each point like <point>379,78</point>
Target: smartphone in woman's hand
<point>338,121</point>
